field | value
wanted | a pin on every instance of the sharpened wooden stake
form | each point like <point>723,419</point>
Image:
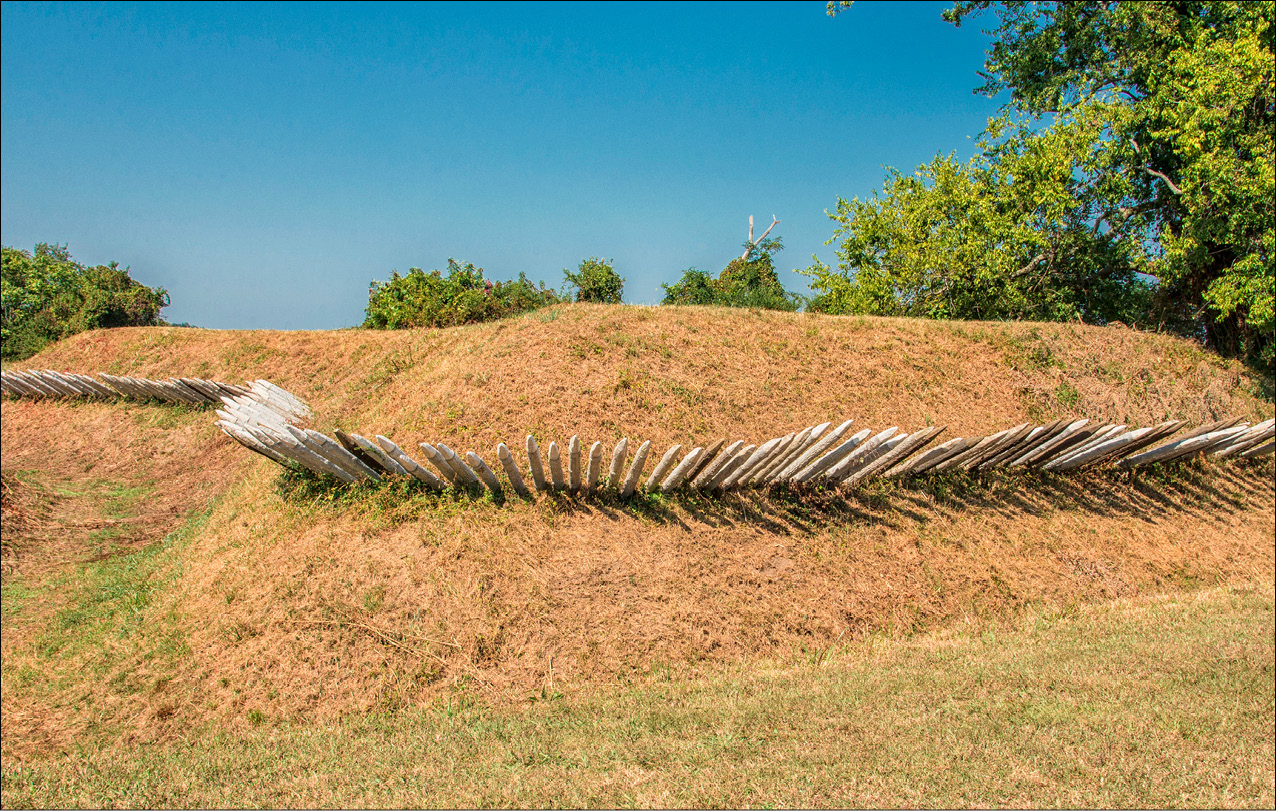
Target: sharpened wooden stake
<point>928,459</point>
<point>635,470</point>
<point>409,464</point>
<point>710,453</point>
<point>437,459</point>
<point>534,462</point>
<point>463,472</point>
<point>756,458</point>
<point>707,472</point>
<point>511,470</point>
<point>573,465</point>
<point>758,468</point>
<point>737,461</point>
<point>900,452</point>
<point>617,462</point>
<point>595,466</point>
<point>485,473</point>
<point>662,467</point>
<point>863,454</point>
<point>679,474</point>
<point>811,454</point>
<point>556,467</point>
<point>828,460</point>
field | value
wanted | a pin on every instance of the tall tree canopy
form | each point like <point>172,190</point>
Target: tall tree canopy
<point>1129,176</point>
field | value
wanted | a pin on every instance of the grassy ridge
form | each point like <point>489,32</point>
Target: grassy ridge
<point>183,627</point>
<point>1152,701</point>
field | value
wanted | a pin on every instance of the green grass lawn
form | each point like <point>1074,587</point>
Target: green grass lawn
<point>1153,701</point>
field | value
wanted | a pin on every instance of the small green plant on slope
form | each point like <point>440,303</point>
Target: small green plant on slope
<point>596,281</point>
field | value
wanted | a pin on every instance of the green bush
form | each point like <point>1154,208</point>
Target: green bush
<point>46,296</point>
<point>695,287</point>
<point>596,281</point>
<point>463,296</point>
<point>747,281</point>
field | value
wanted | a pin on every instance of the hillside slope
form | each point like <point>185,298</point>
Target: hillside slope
<point>309,607</point>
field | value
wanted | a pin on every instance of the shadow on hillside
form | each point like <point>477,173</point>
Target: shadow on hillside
<point>1197,490</point>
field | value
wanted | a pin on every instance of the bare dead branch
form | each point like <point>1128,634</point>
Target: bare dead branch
<point>1161,175</point>
<point>752,244</point>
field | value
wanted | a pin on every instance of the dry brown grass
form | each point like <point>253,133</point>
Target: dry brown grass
<point>313,610</point>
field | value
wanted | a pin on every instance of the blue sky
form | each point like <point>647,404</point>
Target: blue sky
<point>265,162</point>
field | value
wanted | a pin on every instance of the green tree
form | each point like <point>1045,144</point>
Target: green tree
<point>463,296</point>
<point>749,280</point>
<point>46,296</point>
<point>597,281</point>
<point>1137,143</point>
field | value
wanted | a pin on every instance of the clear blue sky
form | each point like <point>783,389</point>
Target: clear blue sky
<point>265,162</point>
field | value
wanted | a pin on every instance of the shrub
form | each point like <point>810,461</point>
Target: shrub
<point>596,281</point>
<point>463,296</point>
<point>747,281</point>
<point>46,296</point>
<point>695,287</point>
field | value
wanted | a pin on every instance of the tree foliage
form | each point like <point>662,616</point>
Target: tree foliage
<point>463,296</point>
<point>747,281</point>
<point>1130,177</point>
<point>597,281</point>
<point>46,296</point>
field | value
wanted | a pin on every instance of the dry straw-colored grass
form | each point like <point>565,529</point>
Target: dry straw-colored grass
<point>315,610</point>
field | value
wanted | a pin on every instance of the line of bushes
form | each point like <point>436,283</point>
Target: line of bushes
<point>464,296</point>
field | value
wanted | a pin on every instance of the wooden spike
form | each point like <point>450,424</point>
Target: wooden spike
<point>556,467</point>
<point>534,462</point>
<point>595,466</point>
<point>573,465</point>
<point>485,473</point>
<point>635,470</point>
<point>662,467</point>
<point>618,456</point>
<point>511,470</point>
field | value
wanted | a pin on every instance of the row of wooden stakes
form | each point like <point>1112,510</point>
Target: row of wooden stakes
<point>47,383</point>
<point>270,420</point>
<point>819,453</point>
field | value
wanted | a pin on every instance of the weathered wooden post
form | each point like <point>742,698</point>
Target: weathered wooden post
<point>573,465</point>
<point>409,464</point>
<point>511,470</point>
<point>595,466</point>
<point>618,455</point>
<point>710,453</point>
<point>635,470</point>
<point>679,474</point>
<point>662,467</point>
<point>707,472</point>
<point>440,464</point>
<point>534,462</point>
<point>463,471</point>
<point>828,460</point>
<point>759,456</point>
<point>932,457</point>
<point>864,453</point>
<point>906,448</point>
<point>556,467</point>
<point>813,453</point>
<point>485,473</point>
<point>736,462</point>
